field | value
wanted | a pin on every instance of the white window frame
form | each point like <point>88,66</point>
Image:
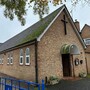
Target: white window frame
<point>20,60</point>
<point>0,60</point>
<point>11,58</point>
<point>27,56</point>
<point>21,56</point>
<point>87,41</point>
<point>8,59</point>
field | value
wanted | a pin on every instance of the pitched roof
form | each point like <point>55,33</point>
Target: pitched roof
<point>86,25</point>
<point>30,33</point>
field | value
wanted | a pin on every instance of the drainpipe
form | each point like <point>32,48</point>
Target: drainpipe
<point>36,63</point>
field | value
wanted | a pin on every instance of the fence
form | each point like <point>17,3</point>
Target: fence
<point>14,84</point>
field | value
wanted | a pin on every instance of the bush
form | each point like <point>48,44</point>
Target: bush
<point>53,80</point>
<point>82,74</point>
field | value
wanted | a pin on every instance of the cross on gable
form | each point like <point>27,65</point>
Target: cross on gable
<point>65,22</point>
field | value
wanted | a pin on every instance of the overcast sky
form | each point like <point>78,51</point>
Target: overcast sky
<point>10,28</point>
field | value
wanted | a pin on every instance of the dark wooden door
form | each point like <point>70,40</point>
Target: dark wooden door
<point>66,65</point>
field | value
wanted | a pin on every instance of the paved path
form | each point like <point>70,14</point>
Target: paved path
<point>82,84</point>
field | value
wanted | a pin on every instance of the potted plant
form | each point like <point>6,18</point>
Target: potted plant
<point>53,80</point>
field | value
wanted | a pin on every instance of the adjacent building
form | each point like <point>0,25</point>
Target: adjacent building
<point>85,33</point>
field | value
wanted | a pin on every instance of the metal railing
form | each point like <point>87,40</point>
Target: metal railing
<point>14,84</point>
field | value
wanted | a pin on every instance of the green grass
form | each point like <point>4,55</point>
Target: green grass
<point>88,75</point>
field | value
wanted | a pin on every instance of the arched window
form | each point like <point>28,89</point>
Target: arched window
<point>11,58</point>
<point>27,60</point>
<point>8,58</point>
<point>0,60</point>
<point>21,57</point>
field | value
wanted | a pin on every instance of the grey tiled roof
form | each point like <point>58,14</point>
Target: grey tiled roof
<point>30,33</point>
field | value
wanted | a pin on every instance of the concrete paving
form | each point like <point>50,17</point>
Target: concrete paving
<point>81,84</point>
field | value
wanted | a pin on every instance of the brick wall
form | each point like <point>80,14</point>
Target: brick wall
<point>49,57</point>
<point>26,72</point>
<point>85,33</point>
<point>88,61</point>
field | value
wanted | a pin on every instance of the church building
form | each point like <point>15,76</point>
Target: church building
<point>50,47</point>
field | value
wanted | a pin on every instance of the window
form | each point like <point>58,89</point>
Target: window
<point>8,59</point>
<point>1,59</point>
<point>87,41</point>
<point>21,57</point>
<point>11,58</point>
<point>27,60</point>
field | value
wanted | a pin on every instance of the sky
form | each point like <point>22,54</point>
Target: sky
<point>9,28</point>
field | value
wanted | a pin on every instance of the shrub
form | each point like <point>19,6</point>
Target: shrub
<point>82,74</point>
<point>53,80</point>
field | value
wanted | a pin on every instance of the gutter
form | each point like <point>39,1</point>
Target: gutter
<point>18,46</point>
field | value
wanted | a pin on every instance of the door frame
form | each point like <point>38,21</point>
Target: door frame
<point>70,67</point>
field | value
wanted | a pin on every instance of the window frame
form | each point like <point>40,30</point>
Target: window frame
<point>11,58</point>
<point>21,56</point>
<point>0,60</point>
<point>27,55</point>
<point>87,41</point>
<point>8,59</point>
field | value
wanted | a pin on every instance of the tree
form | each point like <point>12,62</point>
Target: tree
<point>18,7</point>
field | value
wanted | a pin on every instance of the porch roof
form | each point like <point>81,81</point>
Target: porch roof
<point>70,49</point>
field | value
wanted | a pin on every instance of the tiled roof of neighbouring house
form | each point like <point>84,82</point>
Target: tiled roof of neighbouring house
<point>30,33</point>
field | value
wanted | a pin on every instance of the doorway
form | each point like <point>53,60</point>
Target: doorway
<point>66,65</point>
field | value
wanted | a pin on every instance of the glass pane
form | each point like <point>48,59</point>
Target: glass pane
<point>27,59</point>
<point>0,61</point>
<point>21,59</point>
<point>11,60</point>
<point>27,51</point>
<point>8,60</point>
<point>21,52</point>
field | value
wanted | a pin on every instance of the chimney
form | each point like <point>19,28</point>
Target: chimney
<point>77,25</point>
